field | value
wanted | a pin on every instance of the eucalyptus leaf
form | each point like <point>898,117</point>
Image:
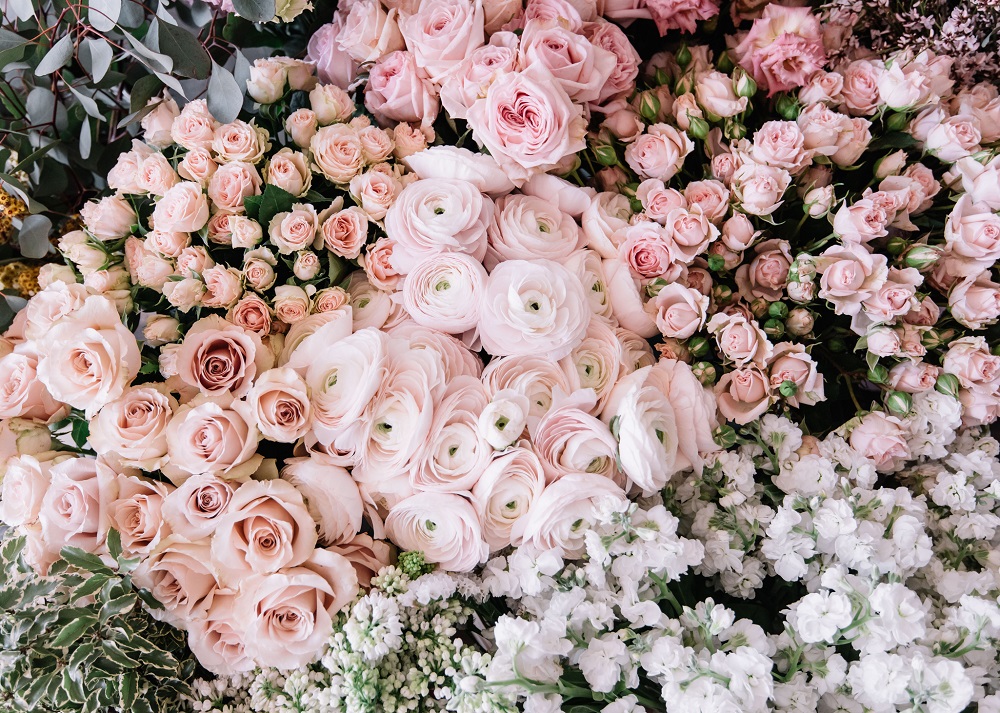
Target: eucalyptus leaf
<point>33,237</point>
<point>86,138</point>
<point>144,90</point>
<point>255,10</point>
<point>189,55</point>
<point>224,96</point>
<point>155,61</point>
<point>88,104</point>
<point>96,56</point>
<point>103,14</point>
<point>133,14</point>
<point>41,105</point>
<point>10,40</point>
<point>57,56</point>
<point>241,72</point>
<point>21,9</point>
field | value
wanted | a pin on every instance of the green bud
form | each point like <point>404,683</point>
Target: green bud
<point>698,128</point>
<point>922,257</point>
<point>897,122</point>
<point>606,155</point>
<point>716,263</point>
<point>759,307</point>
<point>724,436</point>
<point>654,287</point>
<point>899,403</point>
<point>778,310</point>
<point>721,294</point>
<point>685,85</point>
<point>878,374</point>
<point>896,245</point>
<point>743,84</point>
<point>948,384</point>
<point>683,56</point>
<point>733,130</point>
<point>414,565</point>
<point>649,106</point>
<point>698,345</point>
<point>661,76</point>
<point>788,107</point>
<point>705,373</point>
<point>837,345</point>
<point>774,328</point>
<point>725,63</point>
<point>788,389</point>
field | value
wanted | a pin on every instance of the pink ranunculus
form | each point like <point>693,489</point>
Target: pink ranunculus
<point>444,292</point>
<point>444,526</point>
<point>783,48</point>
<point>527,124</point>
<point>526,227</point>
<point>450,162</point>
<point>506,492</point>
<point>602,219</point>
<point>217,357</point>
<point>212,435</point>
<point>881,438</point>
<point>568,439</point>
<point>331,496</point>
<point>398,90</point>
<point>441,33</point>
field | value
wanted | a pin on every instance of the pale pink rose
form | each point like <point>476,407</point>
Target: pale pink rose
<point>216,637</point>
<point>926,313</point>
<point>306,265</point>
<point>25,482</point>
<point>155,175</point>
<point>252,314</point>
<point>231,184</point>
<point>449,162</point>
<point>723,166</point>
<point>376,144</point>
<point>895,297</point>
<point>369,32</point>
<point>860,91</point>
<point>345,231</point>
<point>883,341</point>
<point>850,275</point>
<point>157,123</point>
<point>217,356</point>
<point>526,227</point>
<point>913,378</point>
<point>331,496</point>
<point>135,511</point>
<point>981,182</point>
<point>611,38</point>
<point>337,153</point>
<point>579,66</point>
<point>267,81</point>
<point>566,509</point>
<point>183,209</point>
<point>407,140</point>
<point>533,307</point>
<point>110,218</point>
<point>740,341</point>
<point>625,124</point>
<point>301,125</point>
<point>193,260</point>
<point>853,143</point>
<point>184,294</point>
<point>498,13</point>
<point>212,435</point>
<point>469,80</point>
<point>659,153</point>
<point>646,248</point>
<point>279,401</point>
<point>192,511</point>
<point>179,575</point>
<point>974,302</point>
<point>198,166</point>
<point>22,393</point>
<point>978,409</point>
<point>258,269</point>
<point>689,233</point>
<point>822,128</point>
<point>970,360</point>
<point>528,125</point>
<point>289,614</point>
<point>790,363</point>
<point>331,104</point>
<point>246,233</point>
<point>218,229</point>
<point>289,171</point>
<point>330,299</point>
<point>444,292</point>
<point>567,439</point>
<point>333,65</point>
<point>972,234</point>
<point>658,200</point>
<point>437,215</point>
<point>223,287</point>
<point>398,90</point>
<point>759,189</point>
<point>781,144</point>
<point>444,526</point>
<point>375,192</point>
<point>167,244</point>
<point>194,127</point>
<point>783,48</point>
<point>505,493</point>
<point>50,273</point>
<point>627,296</point>
<point>294,230</point>
<point>881,438</point>
<point>901,89</point>
<point>442,33</point>
<point>681,14</point>
<point>74,511</point>
<point>823,87</point>
<point>88,357</point>
<point>680,311</point>
<point>711,196</point>
<point>766,276</point>
<point>133,428</point>
<point>291,303</point>
<point>743,394</point>
<point>367,556</point>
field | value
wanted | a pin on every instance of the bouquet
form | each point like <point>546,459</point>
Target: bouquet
<point>619,357</point>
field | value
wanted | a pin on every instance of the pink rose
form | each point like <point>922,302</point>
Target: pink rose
<point>301,125</point>
<point>437,215</point>
<point>717,96</point>
<point>333,65</point>
<point>441,34</point>
<point>974,303</point>
<point>681,14</point>
<point>759,189</point>
<point>790,363</point>
<point>444,526</point>
<point>659,153</point>
<point>981,182</point>
<point>527,125</point>
<point>266,528</point>
<point>740,341</point>
<point>367,556</point>
<point>781,144</point>
<point>767,274</point>
<point>294,230</point>
<point>533,307</point>
<point>972,234</point>
<point>646,248</point>
<point>711,197</point>
<point>970,360</point>
<point>376,144</point>
<point>156,175</point>
<point>258,269</point>
<point>216,638</point>
<point>369,32</point>
<point>289,614</point>
<point>74,509</point>
<point>279,400</point>
<point>22,394</point>
<point>231,184</point>
<point>217,356</point>
<point>881,438</point>
<point>611,38</point>
<point>375,192</point>
<point>198,166</point>
<point>252,314</point>
<point>469,80</point>
<point>860,91</point>
<point>743,394</point>
<point>895,297</point>
<point>344,231</point>
<point>212,435</point>
<point>398,90</point>
<point>136,513</point>
<point>680,311</point>
<point>331,104</point>
<point>26,479</point>
<point>337,152</point>
<point>578,66</point>
<point>156,124</point>
<point>783,48</point>
<point>183,209</point>
<point>110,218</point>
<point>179,575</point>
<point>291,303</point>
<point>289,171</point>
<point>913,378</point>
<point>193,509</point>
<point>850,274</point>
<point>690,232</point>
<point>133,427</point>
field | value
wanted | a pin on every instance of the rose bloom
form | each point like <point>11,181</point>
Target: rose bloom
<point>659,153</point>
<point>245,232</point>
<point>610,37</point>
<point>681,14</point>
<point>375,191</point>
<point>881,438</point>
<point>398,90</point>
<point>231,184</point>
<point>860,90</point>
<point>444,526</point>
<point>974,302</point>
<point>972,234</point>
<point>969,359</point>
<point>895,297</point>
<point>470,79</point>
<point>198,166</point>
<point>565,511</point>
<point>689,233</point>
<point>442,34</point>
<point>156,175</point>
<point>781,144</point>
<point>291,303</point>
<point>646,248</point>
<point>528,125</point>
<point>133,427</point>
<point>711,197</point>
<point>333,65</point>
<point>182,209</point>
<point>331,496</point>
<point>289,614</point>
<point>25,481</point>
<point>849,276</point>
<point>216,638</point>
<point>330,299</point>
<point>743,394</point>
<point>533,307</point>
<point>88,357</point>
<point>289,171</point>
<point>179,575</point>
<point>294,230</point>
<point>192,511</point>
<point>345,231</point>
<point>369,32</point>
<point>445,291</point>
<point>740,340</point>
<point>767,274</point>
<point>331,104</point>
<point>306,265</point>
<point>185,294</point>
<point>526,227</point>
<point>280,401</point>
<point>258,269</point>
<point>759,189</point>
<point>376,144</point>
<point>783,48</point>
<point>437,215</point>
<point>576,64</point>
<point>716,95</point>
<point>110,218</point>
<point>212,435</point>
<point>680,311</point>
<point>136,513</point>
<point>252,314</point>
<point>301,125</point>
<point>217,356</point>
<point>791,363</point>
<point>240,141</point>
<point>22,393</point>
<point>74,511</point>
<point>336,152</point>
<point>156,124</point>
<point>913,378</point>
<point>195,126</point>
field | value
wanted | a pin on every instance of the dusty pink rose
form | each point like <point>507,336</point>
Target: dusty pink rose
<point>441,34</point>
<point>646,248</point>
<point>398,90</point>
<point>790,363</point>
<point>881,438</point>
<point>133,427</point>
<point>74,509</point>
<point>22,393</point>
<point>179,575</point>
<point>333,65</point>
<point>217,356</point>
<point>212,435</point>
<point>690,232</point>
<point>860,91</point>
<point>344,231</point>
<point>767,274</point>
<point>279,400</point>
<point>974,303</point>
<point>216,638</point>
<point>192,510</point>
<point>258,269</point>
<point>783,48</point>
<point>579,66</point>
<point>740,340</point>
<point>136,513</point>
<point>970,360</point>
<point>183,209</point>
<point>680,311</point>
<point>972,234</point>
<point>294,230</point>
<point>759,189</point>
<point>743,394</point>
<point>110,218</point>
<point>232,183</point>
<point>528,125</point>
<point>659,153</point>
<point>913,378</point>
<point>377,264</point>
<point>375,192</point>
<point>156,175</point>
<point>337,153</point>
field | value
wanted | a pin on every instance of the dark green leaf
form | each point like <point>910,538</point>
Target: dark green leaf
<point>117,656</point>
<point>80,432</point>
<point>91,586</point>
<point>129,690</point>
<point>74,630</point>
<point>114,543</point>
<point>144,90</point>
<point>84,560</point>
<point>255,10</point>
<point>9,40</point>
<point>118,606</point>
<point>189,55</point>
<point>274,200</point>
<point>6,314</point>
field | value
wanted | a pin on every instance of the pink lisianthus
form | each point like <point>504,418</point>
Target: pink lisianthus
<point>783,48</point>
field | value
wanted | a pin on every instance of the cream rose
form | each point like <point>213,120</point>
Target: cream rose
<point>212,435</point>
<point>337,152</point>
<point>133,427</point>
<point>232,183</point>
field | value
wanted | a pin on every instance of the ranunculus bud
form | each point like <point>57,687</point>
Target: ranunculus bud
<point>948,384</point>
<point>890,165</point>
<point>899,403</point>
<point>922,257</point>
<point>799,322</point>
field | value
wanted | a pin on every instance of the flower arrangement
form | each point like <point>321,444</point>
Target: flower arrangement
<point>533,357</point>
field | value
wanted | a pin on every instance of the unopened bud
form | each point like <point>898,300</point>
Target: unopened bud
<point>788,107</point>
<point>896,245</point>
<point>725,63</point>
<point>605,155</point>
<point>774,328</point>
<point>661,76</point>
<point>759,307</point>
<point>800,322</point>
<point>897,122</point>
<point>649,106</point>
<point>899,403</point>
<point>801,292</point>
<point>724,436</point>
<point>878,374</point>
<point>734,130</point>
<point>654,286</point>
<point>716,263</point>
<point>788,389</point>
<point>922,257</point>
<point>721,294</point>
<point>698,345</point>
<point>683,56</point>
<point>698,128</point>
<point>778,310</point>
<point>743,84</point>
<point>948,384</point>
<point>705,372</point>
<point>890,165</point>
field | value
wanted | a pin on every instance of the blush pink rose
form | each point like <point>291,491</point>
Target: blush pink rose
<point>232,183</point>
<point>681,14</point>
<point>182,209</point>
<point>767,274</point>
<point>740,340</point>
<point>969,359</point>
<point>179,575</point>
<point>860,91</point>
<point>881,438</point>
<point>294,230</point>
<point>369,32</point>
<point>198,166</point>
<point>781,144</point>
<point>22,393</point>
<point>680,311</point>
<point>398,90</point>
<point>26,479</point>
<point>74,509</point>
<point>136,513</point>
<point>217,357</point>
<point>609,37</point>
<point>216,638</point>
<point>333,65</point>
<point>344,231</point>
<point>743,394</point>
<point>279,399</point>
<point>212,435</point>
<point>850,274</point>
<point>133,428</point>
<point>579,66</point>
<point>443,33</point>
<point>110,218</point>
<point>195,126</point>
<point>192,510</point>
<point>469,80</point>
<point>659,153</point>
<point>790,363</point>
<point>337,152</point>
<point>913,378</point>
<point>974,303</point>
<point>759,189</point>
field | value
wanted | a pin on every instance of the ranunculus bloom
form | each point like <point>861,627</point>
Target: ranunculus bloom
<point>533,307</point>
<point>331,497</point>
<point>568,440</point>
<point>217,356</point>
<point>481,170</point>
<point>505,493</point>
<point>527,227</point>
<point>444,526</point>
<point>445,292</point>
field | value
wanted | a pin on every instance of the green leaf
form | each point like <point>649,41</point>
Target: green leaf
<point>33,237</point>
<point>225,98</point>
<point>118,606</point>
<point>9,40</point>
<point>74,630</point>
<point>273,201</point>
<point>129,690</point>
<point>85,561</point>
<point>56,57</point>
<point>6,314</point>
<point>114,543</point>
<point>117,656</point>
<point>80,432</point>
<point>91,586</point>
<point>255,10</point>
<point>189,55</point>
<point>144,90</point>
<point>81,656</point>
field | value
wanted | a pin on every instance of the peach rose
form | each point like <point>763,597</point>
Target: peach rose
<point>258,269</point>
<point>232,183</point>
<point>182,209</point>
<point>291,303</point>
<point>74,509</point>
<point>198,166</point>
<point>212,435</point>
<point>192,510</point>
<point>136,513</point>
<point>194,127</point>
<point>279,400</point>
<point>375,192</point>
<point>337,152</point>
<point>240,141</point>
<point>344,231</point>
<point>179,575</point>
<point>294,230</point>
<point>252,314</point>
<point>219,357</point>
<point>289,171</point>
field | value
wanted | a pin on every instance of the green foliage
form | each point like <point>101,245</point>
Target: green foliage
<point>413,564</point>
<point>80,640</point>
